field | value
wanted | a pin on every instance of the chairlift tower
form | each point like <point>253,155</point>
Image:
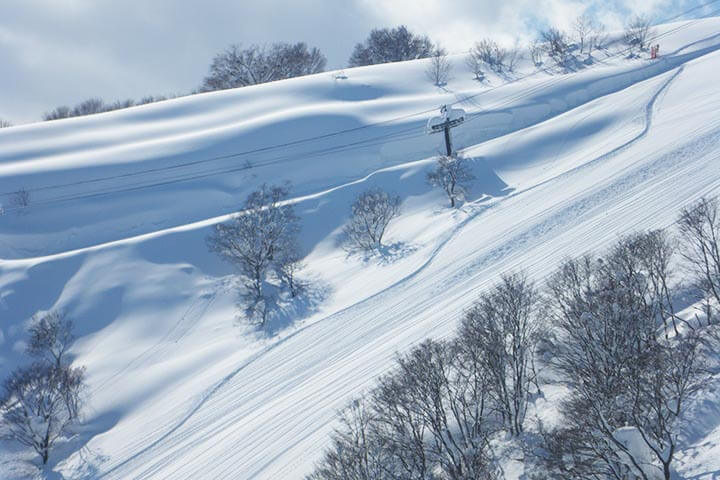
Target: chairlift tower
<point>449,118</point>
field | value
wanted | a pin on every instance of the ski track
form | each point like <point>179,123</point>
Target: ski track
<point>185,323</point>
<point>564,217</point>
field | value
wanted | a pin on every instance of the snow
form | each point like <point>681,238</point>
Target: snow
<point>121,204</point>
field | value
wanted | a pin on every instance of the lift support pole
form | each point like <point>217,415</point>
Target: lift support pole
<point>449,118</point>
<point>448,141</point>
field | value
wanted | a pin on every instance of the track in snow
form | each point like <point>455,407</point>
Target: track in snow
<point>365,329</point>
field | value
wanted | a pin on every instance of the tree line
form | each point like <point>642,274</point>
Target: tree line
<point>605,327</point>
<point>240,66</point>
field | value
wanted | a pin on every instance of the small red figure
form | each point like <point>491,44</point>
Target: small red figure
<point>654,50</point>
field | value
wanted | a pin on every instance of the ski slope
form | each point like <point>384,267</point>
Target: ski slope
<point>180,387</point>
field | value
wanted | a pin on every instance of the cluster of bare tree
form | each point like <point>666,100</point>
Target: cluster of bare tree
<point>604,327</point>
<point>435,415</point>
<point>487,53</point>
<point>552,43</point>
<point>41,402</point>
<point>386,45</point>
<point>638,31</point>
<point>5,123</point>
<point>700,228</point>
<point>625,367</point>
<point>240,67</point>
<point>261,241</point>
<point>587,35</point>
<point>97,105</point>
<point>561,47</point>
<point>373,210</point>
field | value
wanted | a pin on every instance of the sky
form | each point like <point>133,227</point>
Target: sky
<point>60,52</point>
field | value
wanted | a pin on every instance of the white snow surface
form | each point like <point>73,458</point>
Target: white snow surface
<point>180,386</point>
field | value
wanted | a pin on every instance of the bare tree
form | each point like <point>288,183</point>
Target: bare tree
<point>556,45</point>
<point>151,99</point>
<point>597,39</point>
<point>439,69</point>
<point>649,401</point>
<point>34,406</point>
<point>622,373</point>
<point>88,107</point>
<point>489,52</point>
<point>50,338</point>
<point>432,419</point>
<point>120,104</point>
<point>513,56</point>
<point>583,27</point>
<point>669,374</point>
<point>60,112</point>
<point>388,45</point>
<point>473,409</point>
<point>371,213</point>
<point>459,444</point>
<point>699,227</point>
<point>400,426</point>
<point>505,329</point>
<point>536,51</point>
<point>5,123</point>
<point>254,240</point>
<point>240,67</point>
<point>655,252</point>
<point>356,452</point>
<point>476,65</point>
<point>453,175</point>
<point>287,264</point>
<point>427,419</point>
<point>637,31</point>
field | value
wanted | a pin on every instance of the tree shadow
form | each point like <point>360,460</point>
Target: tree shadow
<point>30,465</point>
<point>395,252</point>
<point>710,474</point>
<point>88,465</point>
<point>486,183</point>
<point>285,310</point>
<point>385,255</point>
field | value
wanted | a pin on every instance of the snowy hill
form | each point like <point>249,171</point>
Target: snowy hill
<point>180,387</point>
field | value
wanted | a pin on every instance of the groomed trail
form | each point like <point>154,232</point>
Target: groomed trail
<point>183,388</point>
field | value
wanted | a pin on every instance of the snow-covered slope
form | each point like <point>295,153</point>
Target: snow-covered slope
<point>180,387</point>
